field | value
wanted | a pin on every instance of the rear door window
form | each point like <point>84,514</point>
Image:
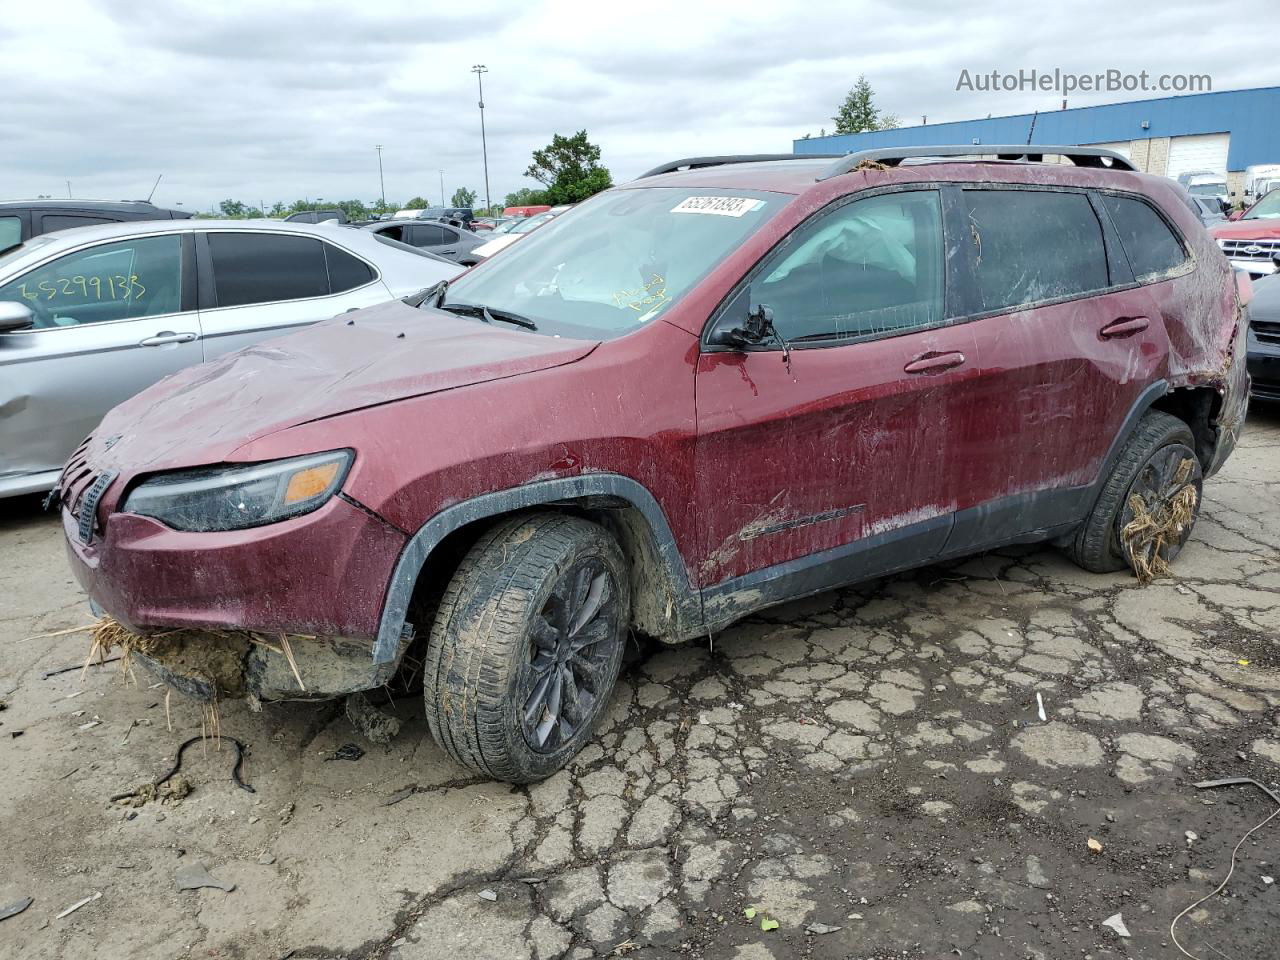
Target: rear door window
<point>871,267</point>
<point>427,235</point>
<point>266,268</point>
<point>112,281</point>
<point>1152,247</point>
<point>50,222</point>
<point>1029,246</point>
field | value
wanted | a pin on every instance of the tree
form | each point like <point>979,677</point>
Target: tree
<point>526,197</point>
<point>233,208</point>
<point>569,167</point>
<point>859,112</point>
<point>462,197</point>
<point>417,203</point>
<point>278,210</point>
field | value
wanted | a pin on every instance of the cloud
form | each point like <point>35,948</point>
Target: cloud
<point>279,102</point>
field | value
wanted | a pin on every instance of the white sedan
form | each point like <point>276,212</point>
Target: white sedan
<point>91,316</point>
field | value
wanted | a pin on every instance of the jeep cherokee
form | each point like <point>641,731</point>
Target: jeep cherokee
<point>730,383</point>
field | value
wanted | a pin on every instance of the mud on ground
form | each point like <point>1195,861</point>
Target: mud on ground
<point>870,760</point>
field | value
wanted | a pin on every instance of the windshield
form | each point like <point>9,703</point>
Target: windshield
<point>1207,189</point>
<point>617,261</point>
<point>1268,208</point>
<point>530,223</point>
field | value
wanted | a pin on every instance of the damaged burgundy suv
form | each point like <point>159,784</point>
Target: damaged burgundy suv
<point>730,383</point>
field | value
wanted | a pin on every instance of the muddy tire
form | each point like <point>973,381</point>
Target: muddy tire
<point>1151,464</point>
<point>526,646</point>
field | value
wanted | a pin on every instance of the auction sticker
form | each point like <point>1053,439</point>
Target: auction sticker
<point>719,206</point>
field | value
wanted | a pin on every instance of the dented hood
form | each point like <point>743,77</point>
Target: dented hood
<point>360,359</point>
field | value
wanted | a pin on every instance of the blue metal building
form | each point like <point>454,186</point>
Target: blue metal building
<point>1225,132</point>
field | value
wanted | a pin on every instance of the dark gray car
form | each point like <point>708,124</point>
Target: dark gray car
<point>21,220</point>
<point>442,239</point>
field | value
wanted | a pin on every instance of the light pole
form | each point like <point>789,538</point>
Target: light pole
<point>382,183</point>
<point>479,70</point>
<point>443,202</point>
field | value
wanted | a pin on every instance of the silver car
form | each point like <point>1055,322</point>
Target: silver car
<point>442,239</point>
<point>91,316</point>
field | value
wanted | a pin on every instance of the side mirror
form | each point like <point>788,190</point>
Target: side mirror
<point>15,316</point>
<point>756,330</point>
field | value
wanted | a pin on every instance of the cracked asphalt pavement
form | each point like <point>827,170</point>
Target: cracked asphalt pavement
<point>868,769</point>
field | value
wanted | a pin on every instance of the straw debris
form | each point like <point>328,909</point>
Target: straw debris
<point>1148,537</point>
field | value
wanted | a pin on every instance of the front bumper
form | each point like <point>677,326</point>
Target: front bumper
<point>1235,399</point>
<point>1264,370</point>
<point>321,574</point>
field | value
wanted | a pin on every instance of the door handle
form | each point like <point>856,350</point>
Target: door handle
<point>166,336</point>
<point>1124,327</point>
<point>934,362</point>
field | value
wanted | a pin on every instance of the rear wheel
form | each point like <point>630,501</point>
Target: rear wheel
<point>1148,505</point>
<point>527,645</point>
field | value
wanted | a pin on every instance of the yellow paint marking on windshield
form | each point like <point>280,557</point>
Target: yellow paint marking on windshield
<point>651,294</point>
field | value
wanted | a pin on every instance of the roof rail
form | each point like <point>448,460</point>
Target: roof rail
<point>694,163</point>
<point>892,156</point>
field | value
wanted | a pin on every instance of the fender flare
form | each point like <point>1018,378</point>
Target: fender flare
<point>1146,400</point>
<point>413,556</point>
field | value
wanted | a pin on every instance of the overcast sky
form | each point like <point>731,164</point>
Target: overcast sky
<point>279,101</point>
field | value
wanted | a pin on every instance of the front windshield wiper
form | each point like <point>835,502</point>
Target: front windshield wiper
<point>488,314</point>
<point>431,295</point>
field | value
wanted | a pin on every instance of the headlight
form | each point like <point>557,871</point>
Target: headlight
<point>232,498</point>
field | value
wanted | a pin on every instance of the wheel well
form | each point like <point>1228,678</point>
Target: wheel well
<point>653,597</point>
<point>1197,407</point>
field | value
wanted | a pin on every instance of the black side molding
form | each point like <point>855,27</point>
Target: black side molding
<point>687,601</point>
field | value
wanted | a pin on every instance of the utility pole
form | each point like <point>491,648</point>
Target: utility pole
<point>479,70</point>
<point>68,189</point>
<point>443,202</point>
<point>381,183</point>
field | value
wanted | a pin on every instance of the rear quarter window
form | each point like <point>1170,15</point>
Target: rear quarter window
<point>1151,245</point>
<point>1031,246</point>
<point>345,271</point>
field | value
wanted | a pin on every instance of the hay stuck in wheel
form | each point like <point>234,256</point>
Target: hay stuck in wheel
<point>1149,535</point>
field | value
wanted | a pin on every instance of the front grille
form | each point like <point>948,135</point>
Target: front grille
<point>76,479</point>
<point>1251,249</point>
<point>1267,331</point>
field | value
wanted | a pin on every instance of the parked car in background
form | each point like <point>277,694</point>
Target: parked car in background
<point>23,219</point>
<point>506,237</point>
<point>1264,339</point>
<point>1251,240</point>
<point>89,317</point>
<point>1207,183</point>
<point>1209,210</point>
<point>317,216</point>
<point>531,210</point>
<point>461,215</point>
<point>729,384</point>
<point>452,243</point>
<point>1259,180</point>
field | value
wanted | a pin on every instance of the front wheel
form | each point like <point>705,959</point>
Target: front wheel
<point>1148,505</point>
<point>526,646</point>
